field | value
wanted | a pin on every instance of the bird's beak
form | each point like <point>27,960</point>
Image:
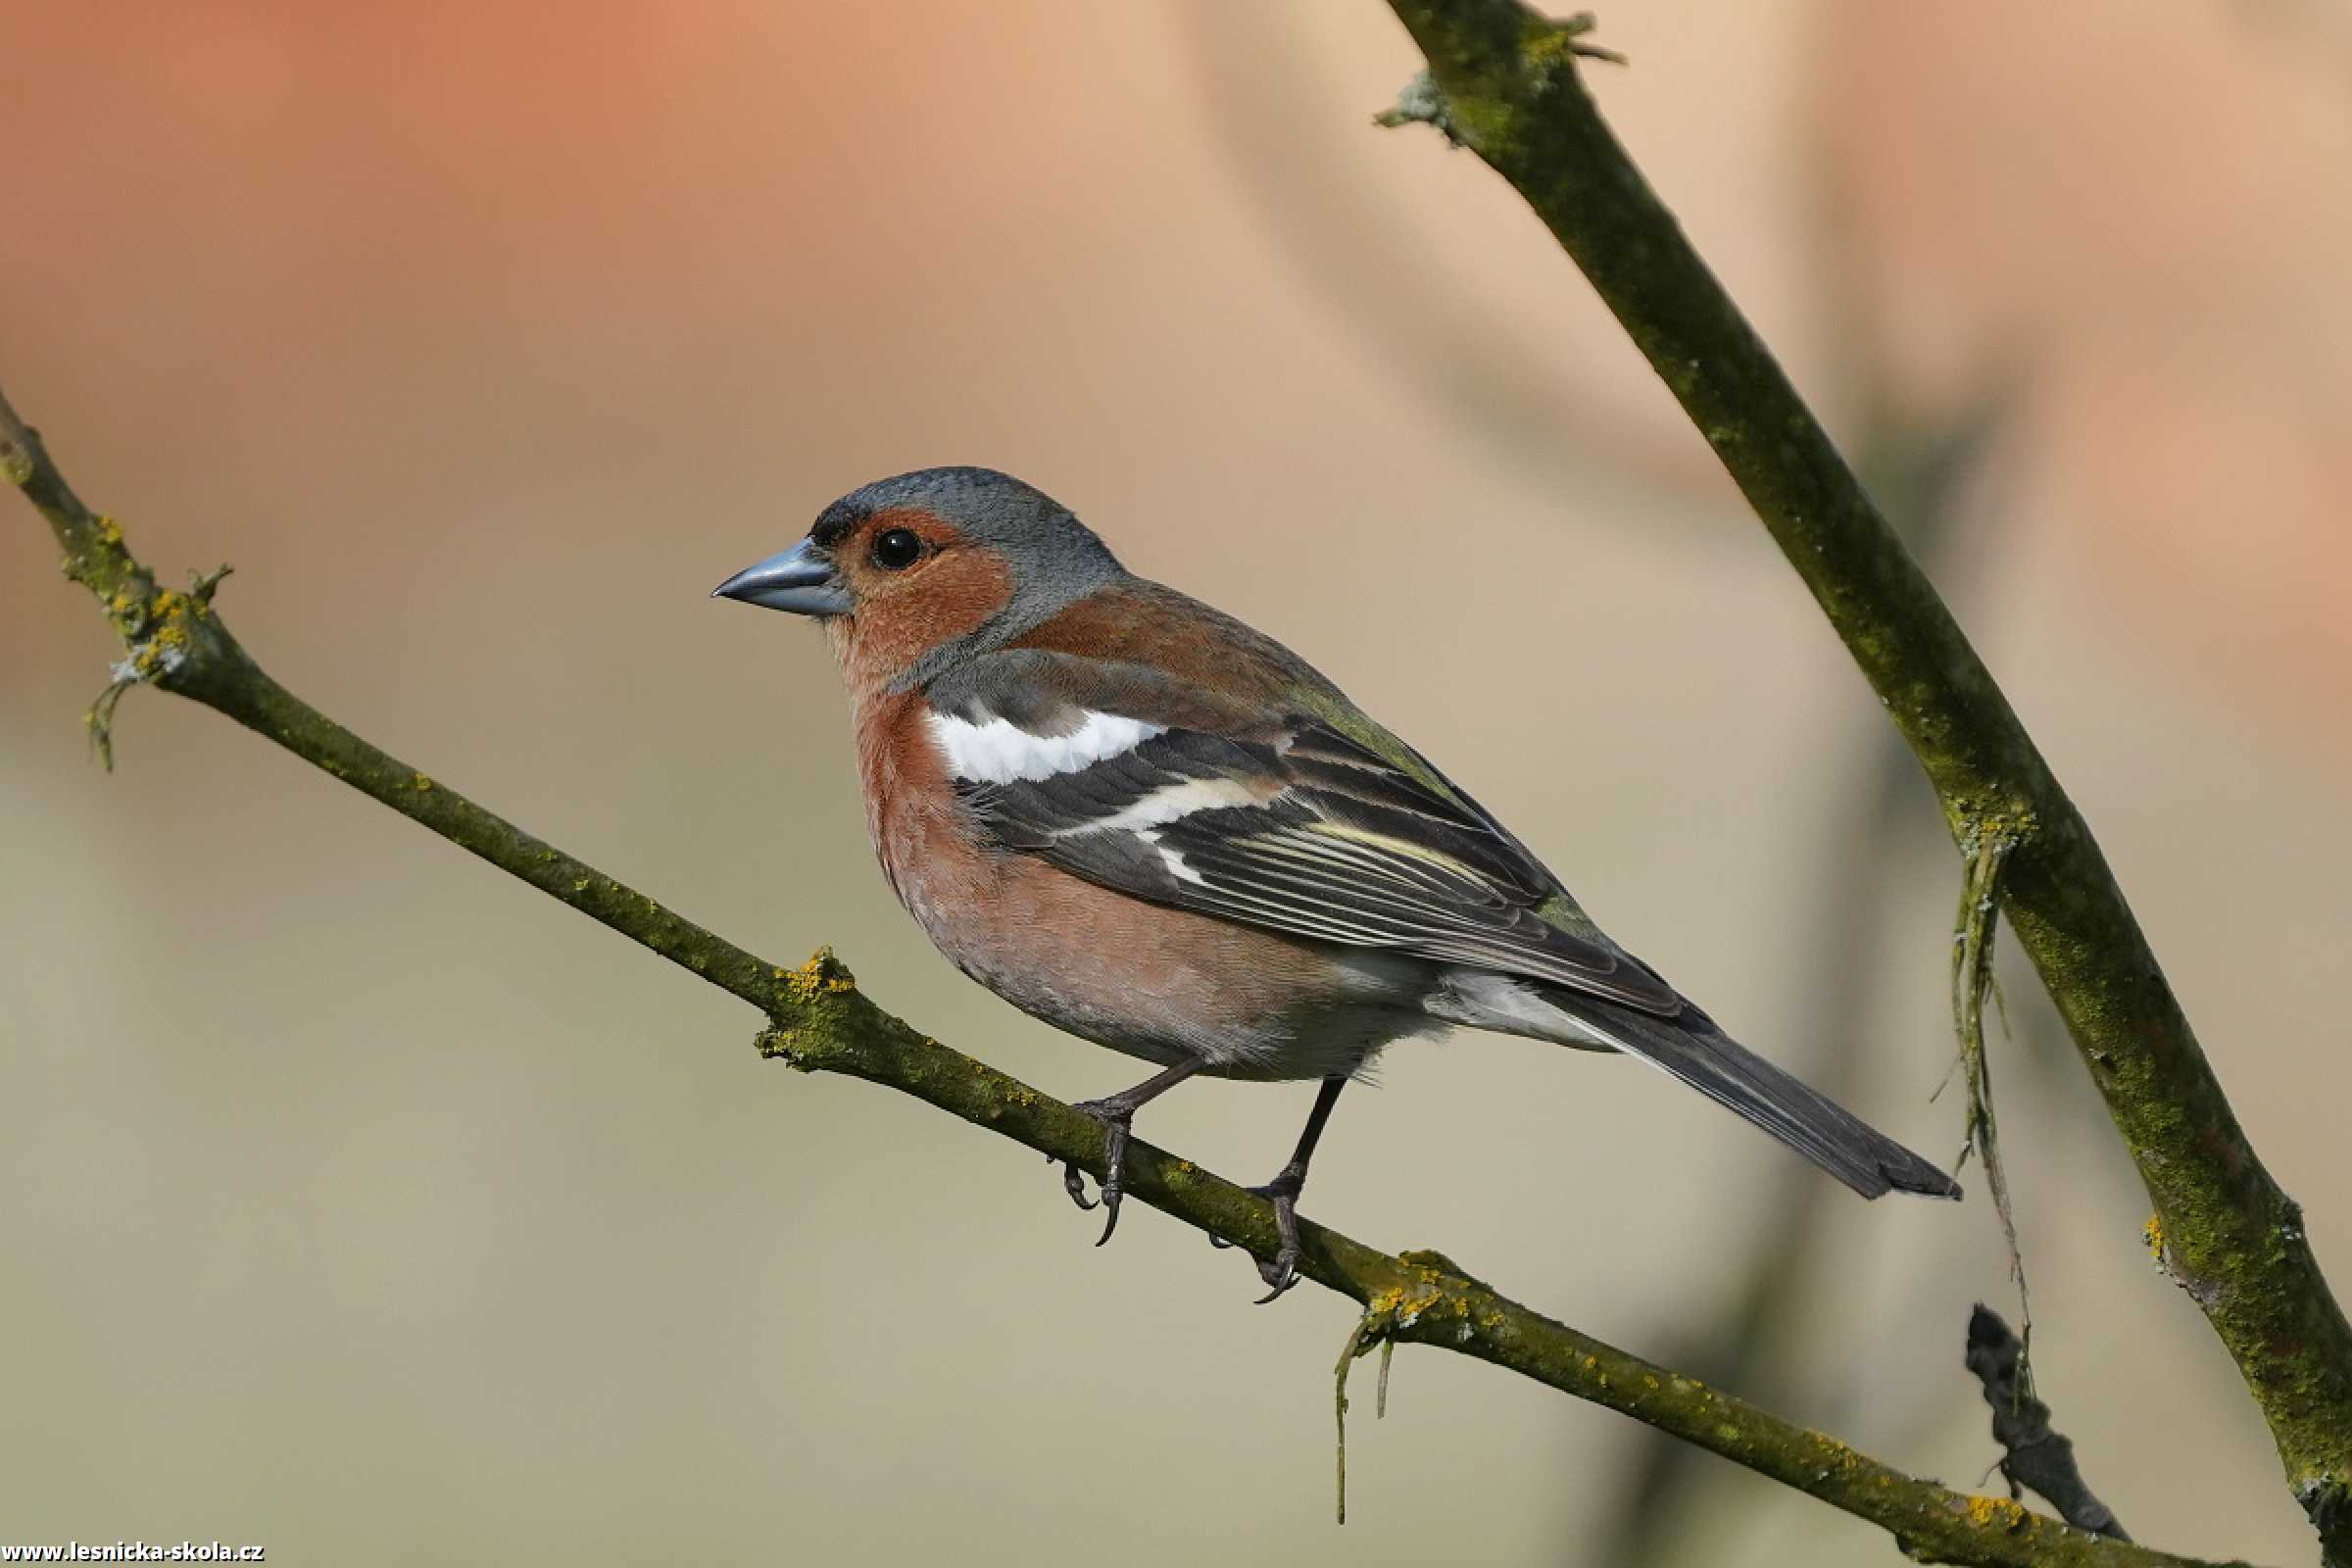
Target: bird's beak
<point>799,580</point>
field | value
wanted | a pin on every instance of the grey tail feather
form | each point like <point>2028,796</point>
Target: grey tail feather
<point>1692,1048</point>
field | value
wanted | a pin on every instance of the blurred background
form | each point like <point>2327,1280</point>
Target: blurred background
<point>361,1202</point>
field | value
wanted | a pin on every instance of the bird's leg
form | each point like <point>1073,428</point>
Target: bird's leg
<point>1116,1113</point>
<point>1281,1272</point>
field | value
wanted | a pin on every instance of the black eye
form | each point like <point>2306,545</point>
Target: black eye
<point>898,549</point>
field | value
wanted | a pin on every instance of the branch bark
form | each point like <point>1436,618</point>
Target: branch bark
<point>1504,82</point>
<point>819,1021</point>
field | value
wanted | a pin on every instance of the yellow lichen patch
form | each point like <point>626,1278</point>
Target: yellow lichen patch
<point>154,630</point>
<point>160,654</point>
<point>1988,1514</point>
<point>419,783</point>
<point>821,975</point>
<point>109,531</point>
<point>837,979</point>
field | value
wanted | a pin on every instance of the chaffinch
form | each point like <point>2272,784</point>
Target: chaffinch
<point>1148,824</point>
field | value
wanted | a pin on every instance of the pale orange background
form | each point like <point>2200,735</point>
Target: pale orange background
<point>357,1201</point>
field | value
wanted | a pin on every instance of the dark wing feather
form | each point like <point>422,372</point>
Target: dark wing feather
<point>1314,834</point>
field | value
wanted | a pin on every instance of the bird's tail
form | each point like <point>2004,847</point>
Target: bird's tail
<point>1692,1048</point>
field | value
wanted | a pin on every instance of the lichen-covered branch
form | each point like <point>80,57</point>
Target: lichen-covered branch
<point>1503,81</point>
<point>819,1020</point>
<point>2032,1454</point>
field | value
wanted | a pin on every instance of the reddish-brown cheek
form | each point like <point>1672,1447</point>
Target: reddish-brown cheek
<point>898,621</point>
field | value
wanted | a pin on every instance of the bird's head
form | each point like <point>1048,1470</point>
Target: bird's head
<point>913,572</point>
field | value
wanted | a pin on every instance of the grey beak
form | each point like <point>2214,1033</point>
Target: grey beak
<point>799,580</point>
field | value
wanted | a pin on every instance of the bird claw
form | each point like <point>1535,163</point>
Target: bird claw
<point>1115,1170</point>
<point>1281,1271</point>
<point>1280,1274</point>
<point>1073,1182</point>
<point>1115,1120</point>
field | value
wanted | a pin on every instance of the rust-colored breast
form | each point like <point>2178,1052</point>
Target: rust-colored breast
<point>1156,982</point>
<point>917,825</point>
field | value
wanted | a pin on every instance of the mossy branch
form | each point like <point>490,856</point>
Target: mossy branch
<point>1503,81</point>
<point>819,1021</point>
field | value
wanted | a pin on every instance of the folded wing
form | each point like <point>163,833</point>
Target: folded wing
<point>1290,824</point>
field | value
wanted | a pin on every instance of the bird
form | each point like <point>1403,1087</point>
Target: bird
<point>1157,828</point>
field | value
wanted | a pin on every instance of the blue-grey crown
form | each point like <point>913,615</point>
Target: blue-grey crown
<point>987,506</point>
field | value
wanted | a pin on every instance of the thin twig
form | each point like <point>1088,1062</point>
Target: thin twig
<point>1972,981</point>
<point>2032,1454</point>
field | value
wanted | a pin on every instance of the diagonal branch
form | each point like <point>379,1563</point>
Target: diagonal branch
<point>819,1021</point>
<point>1503,81</point>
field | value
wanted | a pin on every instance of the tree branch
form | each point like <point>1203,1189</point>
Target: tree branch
<point>819,1021</point>
<point>1504,82</point>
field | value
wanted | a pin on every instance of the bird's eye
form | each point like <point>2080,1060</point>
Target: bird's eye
<point>898,549</point>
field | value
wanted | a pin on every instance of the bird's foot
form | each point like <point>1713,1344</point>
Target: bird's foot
<point>1281,1271</point>
<point>1117,1117</point>
<point>1116,1113</point>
